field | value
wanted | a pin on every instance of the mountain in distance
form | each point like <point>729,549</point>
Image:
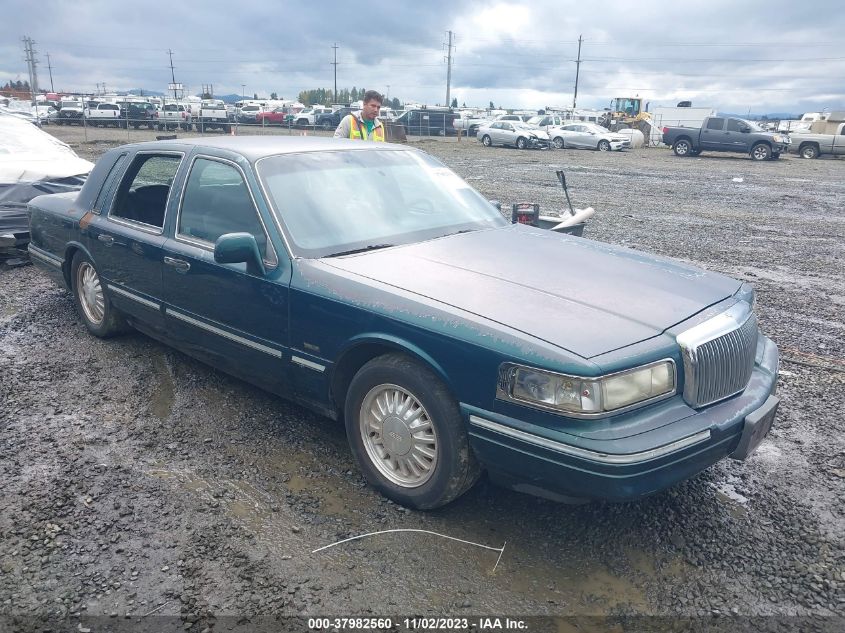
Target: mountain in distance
<point>145,93</point>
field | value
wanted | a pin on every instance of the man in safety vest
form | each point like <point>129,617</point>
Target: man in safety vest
<point>363,125</point>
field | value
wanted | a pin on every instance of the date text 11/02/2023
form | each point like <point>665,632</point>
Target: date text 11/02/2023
<point>418,624</point>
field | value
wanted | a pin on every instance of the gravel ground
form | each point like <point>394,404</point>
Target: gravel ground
<point>137,480</point>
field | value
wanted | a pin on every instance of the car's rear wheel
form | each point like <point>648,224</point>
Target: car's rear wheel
<point>486,141</point>
<point>682,147</point>
<point>809,151</point>
<point>761,151</point>
<point>557,142</point>
<point>91,299</point>
<point>604,146</point>
<point>406,432</point>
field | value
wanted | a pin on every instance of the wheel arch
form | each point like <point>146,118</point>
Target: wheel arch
<point>71,250</point>
<point>364,348</point>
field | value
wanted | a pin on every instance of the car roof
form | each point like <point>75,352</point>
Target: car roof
<point>254,147</point>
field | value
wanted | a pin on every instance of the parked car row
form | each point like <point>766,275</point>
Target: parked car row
<point>573,135</point>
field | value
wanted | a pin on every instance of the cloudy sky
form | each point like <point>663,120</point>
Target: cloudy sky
<point>740,56</point>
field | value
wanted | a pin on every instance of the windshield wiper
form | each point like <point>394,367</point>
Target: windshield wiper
<point>371,247</point>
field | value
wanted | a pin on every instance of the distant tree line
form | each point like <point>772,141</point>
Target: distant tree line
<point>16,85</point>
<point>324,96</point>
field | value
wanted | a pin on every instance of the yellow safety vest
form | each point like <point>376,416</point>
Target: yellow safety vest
<point>358,132</point>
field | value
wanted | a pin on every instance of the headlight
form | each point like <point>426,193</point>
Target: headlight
<point>586,397</point>
<point>777,138</point>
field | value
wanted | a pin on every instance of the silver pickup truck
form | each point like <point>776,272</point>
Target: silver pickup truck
<point>812,145</point>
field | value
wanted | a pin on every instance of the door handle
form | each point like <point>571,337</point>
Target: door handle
<point>108,240</point>
<point>180,265</point>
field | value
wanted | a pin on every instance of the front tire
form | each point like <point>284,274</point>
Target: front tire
<point>761,152</point>
<point>603,146</point>
<point>521,143</point>
<point>407,434</point>
<point>557,142</point>
<point>682,147</point>
<point>91,300</point>
<point>486,141</point>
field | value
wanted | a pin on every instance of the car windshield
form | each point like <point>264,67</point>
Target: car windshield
<point>333,203</point>
<point>523,126</point>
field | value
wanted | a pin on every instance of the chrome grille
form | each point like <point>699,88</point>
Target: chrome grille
<point>719,355</point>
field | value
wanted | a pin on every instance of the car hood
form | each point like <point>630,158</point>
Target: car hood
<point>584,296</point>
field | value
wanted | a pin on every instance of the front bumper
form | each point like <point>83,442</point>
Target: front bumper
<point>561,465</point>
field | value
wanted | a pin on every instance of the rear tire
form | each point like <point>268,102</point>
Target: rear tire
<point>809,151</point>
<point>91,299</point>
<point>407,434</point>
<point>682,147</point>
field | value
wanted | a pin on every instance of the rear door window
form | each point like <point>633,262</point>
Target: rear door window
<point>144,190</point>
<point>715,123</point>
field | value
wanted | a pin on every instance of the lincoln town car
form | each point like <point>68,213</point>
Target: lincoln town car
<point>370,283</point>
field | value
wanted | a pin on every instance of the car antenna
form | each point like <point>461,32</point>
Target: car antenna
<point>562,178</point>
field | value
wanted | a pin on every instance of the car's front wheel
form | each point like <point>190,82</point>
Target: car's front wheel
<point>761,151</point>
<point>604,146</point>
<point>100,317</point>
<point>486,141</point>
<point>557,142</point>
<point>407,434</point>
<point>521,143</point>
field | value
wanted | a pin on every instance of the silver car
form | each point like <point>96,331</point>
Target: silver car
<point>587,136</point>
<point>514,133</point>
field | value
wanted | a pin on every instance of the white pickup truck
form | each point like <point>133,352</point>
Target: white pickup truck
<point>213,116</point>
<point>469,124</point>
<point>174,115</point>
<point>104,114</point>
<point>308,116</point>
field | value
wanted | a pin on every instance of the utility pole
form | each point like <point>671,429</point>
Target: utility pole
<point>334,63</point>
<point>449,71</point>
<point>577,72</point>
<point>50,68</point>
<point>31,63</point>
<point>172,74</point>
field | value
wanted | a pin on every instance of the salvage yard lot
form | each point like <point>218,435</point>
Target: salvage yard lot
<point>136,479</point>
